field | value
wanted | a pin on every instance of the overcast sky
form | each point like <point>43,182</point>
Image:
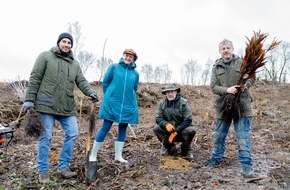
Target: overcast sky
<point>161,31</point>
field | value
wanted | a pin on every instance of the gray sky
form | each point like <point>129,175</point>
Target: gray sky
<point>161,31</point>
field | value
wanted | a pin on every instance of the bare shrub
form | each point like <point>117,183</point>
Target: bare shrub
<point>18,87</point>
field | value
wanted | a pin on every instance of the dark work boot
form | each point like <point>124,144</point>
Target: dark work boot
<point>187,155</point>
<point>185,150</point>
<point>170,150</point>
<point>187,137</point>
<point>213,163</point>
<point>43,178</point>
<point>66,173</point>
<point>248,172</point>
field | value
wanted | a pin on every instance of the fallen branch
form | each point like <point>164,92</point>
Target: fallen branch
<point>228,180</point>
<point>254,179</point>
<point>16,123</point>
<point>131,129</point>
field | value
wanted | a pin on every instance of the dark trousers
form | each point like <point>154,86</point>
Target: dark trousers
<point>185,137</point>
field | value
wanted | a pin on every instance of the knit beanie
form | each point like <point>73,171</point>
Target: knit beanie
<point>65,35</point>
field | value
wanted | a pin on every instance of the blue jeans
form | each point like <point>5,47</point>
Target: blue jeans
<point>242,129</point>
<point>105,128</point>
<point>70,127</point>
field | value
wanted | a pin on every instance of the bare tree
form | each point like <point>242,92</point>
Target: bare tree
<point>276,67</point>
<point>75,30</point>
<point>284,77</point>
<point>166,73</point>
<point>18,87</point>
<point>207,71</point>
<point>185,74</point>
<point>157,74</point>
<point>285,60</point>
<point>86,60</point>
<point>190,71</point>
<point>147,72</point>
<point>102,65</point>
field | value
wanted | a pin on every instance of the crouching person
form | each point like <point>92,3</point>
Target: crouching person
<point>173,119</point>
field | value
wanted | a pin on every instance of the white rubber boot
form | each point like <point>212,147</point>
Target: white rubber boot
<point>95,150</point>
<point>118,151</point>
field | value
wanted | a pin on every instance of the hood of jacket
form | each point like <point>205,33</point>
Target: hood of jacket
<point>67,56</point>
<point>131,66</point>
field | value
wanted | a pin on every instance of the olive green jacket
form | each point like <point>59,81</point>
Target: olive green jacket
<point>52,81</point>
<point>222,78</point>
<point>176,112</point>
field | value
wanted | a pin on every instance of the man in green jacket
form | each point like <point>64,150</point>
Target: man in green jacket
<point>173,119</point>
<point>50,92</point>
<point>224,79</point>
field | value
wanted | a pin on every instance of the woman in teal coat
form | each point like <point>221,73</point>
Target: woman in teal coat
<point>119,104</point>
<point>119,88</point>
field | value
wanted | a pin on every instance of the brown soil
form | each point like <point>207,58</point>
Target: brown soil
<point>148,168</point>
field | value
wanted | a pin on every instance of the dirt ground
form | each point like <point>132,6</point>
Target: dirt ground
<point>148,168</point>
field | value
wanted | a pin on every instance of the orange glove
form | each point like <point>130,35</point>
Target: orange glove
<point>2,140</point>
<point>171,137</point>
<point>169,127</point>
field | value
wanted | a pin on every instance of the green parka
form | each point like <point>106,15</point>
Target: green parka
<point>176,112</point>
<point>52,81</point>
<point>224,76</point>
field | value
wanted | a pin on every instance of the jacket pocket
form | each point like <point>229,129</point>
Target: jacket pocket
<point>44,99</point>
<point>70,102</point>
<point>220,73</point>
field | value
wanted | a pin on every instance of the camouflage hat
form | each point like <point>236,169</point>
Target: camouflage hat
<point>170,87</point>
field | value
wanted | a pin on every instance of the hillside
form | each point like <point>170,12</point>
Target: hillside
<point>148,169</point>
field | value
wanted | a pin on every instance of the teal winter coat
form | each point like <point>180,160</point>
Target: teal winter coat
<point>52,81</point>
<point>120,86</point>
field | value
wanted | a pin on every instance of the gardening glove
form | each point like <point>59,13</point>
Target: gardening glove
<point>171,137</point>
<point>169,127</point>
<point>27,105</point>
<point>94,97</point>
<point>2,140</point>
